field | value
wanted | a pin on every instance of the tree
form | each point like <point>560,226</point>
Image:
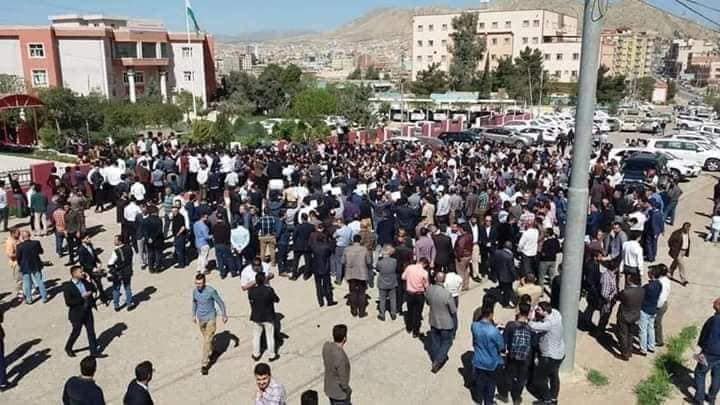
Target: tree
<point>353,103</point>
<point>645,87</point>
<point>201,133</point>
<point>355,74</point>
<point>313,103</point>
<point>486,80</point>
<point>529,81</point>
<point>222,131</point>
<point>671,90</point>
<point>431,80</point>
<point>184,100</point>
<point>467,50</point>
<point>11,84</point>
<point>372,74</point>
<point>249,134</point>
<point>61,106</point>
<point>236,104</point>
<point>152,91</point>
<point>610,89</point>
<point>504,74</point>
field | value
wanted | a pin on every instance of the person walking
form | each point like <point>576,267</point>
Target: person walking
<point>73,230</point>
<point>549,249</point>
<point>262,313</point>
<point>204,301</point>
<point>201,231</point>
<point>90,262</point>
<point>628,314</point>
<point>416,283</point>
<point>138,391</point>
<point>679,251</point>
<point>179,230</point>
<point>387,282</point>
<point>708,360</point>
<point>442,321</point>
<point>463,255</point>
<point>120,265</point>
<point>518,336</point>
<point>503,267</point>
<point>11,252</point>
<point>648,310</point>
<point>301,247</point>
<point>83,389</point>
<point>548,323</point>
<point>321,252</point>
<point>336,363</point>
<point>661,271</point>
<point>269,391</point>
<point>357,261</point>
<point>487,344</point>
<point>78,294</point>
<point>28,257</point>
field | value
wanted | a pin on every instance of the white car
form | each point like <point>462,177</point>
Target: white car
<point>534,134</point>
<point>710,130</point>
<point>700,153</point>
<point>629,125</point>
<point>602,125</point>
<point>680,168</point>
<point>688,122</point>
<point>697,138</point>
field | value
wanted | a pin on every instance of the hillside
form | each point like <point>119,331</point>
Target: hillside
<point>383,23</point>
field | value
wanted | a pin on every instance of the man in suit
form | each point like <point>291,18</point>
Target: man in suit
<point>90,262</point>
<point>628,314</point>
<point>444,257</point>
<point>442,323</point>
<point>321,252</point>
<point>83,389</point>
<point>387,282</point>
<point>337,368</point>
<point>301,247</point>
<point>262,313</point>
<point>154,239</point>
<point>137,391</point>
<point>73,228</point>
<point>503,267</point>
<point>120,264</point>
<point>357,261</point>
<point>78,293</point>
<point>487,239</point>
<point>28,253</point>
<point>679,244</point>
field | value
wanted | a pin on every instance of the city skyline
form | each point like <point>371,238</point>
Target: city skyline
<point>227,17</point>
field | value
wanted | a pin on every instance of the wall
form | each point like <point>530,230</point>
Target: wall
<point>49,63</point>
<point>568,64</point>
<point>10,58</point>
<point>180,64</point>
<point>84,65</point>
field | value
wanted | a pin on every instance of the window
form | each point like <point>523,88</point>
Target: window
<point>443,58</point>
<point>481,25</point>
<point>557,73</point>
<point>536,23</point>
<point>429,58</point>
<point>525,40</point>
<point>444,27</point>
<point>419,58</point>
<point>39,78</point>
<point>419,43</point>
<point>188,76</point>
<point>149,50</point>
<point>139,77</point>
<point>558,56</point>
<point>125,50</point>
<point>494,24</point>
<point>36,50</point>
<point>535,40</point>
<point>547,56</point>
<point>494,41</point>
<point>164,50</point>
<point>526,23</point>
<point>431,28</point>
<point>574,73</point>
<point>187,52</point>
<point>508,24</point>
<point>576,56</point>
<point>420,28</point>
<point>506,41</point>
<point>431,42</point>
<point>443,42</point>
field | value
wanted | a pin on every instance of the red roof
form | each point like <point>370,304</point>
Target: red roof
<point>12,101</point>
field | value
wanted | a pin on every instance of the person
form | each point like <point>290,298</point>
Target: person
<point>387,282</point>
<point>89,260</point>
<point>708,360</point>
<point>528,286</point>
<point>83,389</point>
<point>269,391</point>
<point>120,264</point>
<point>628,314</point>
<point>487,344</point>
<point>487,240</point>
<point>267,234</point>
<point>632,256</point>
<point>301,247</point>
<point>549,249</point>
<point>648,310</point>
<point>714,232</point>
<point>28,257</point>
<point>442,321</point>
<point>336,363</point>
<point>503,267</point>
<point>204,301</point>
<point>320,262</point>
<point>223,253</point>
<point>528,249</point>
<point>262,313</point>
<point>548,323</point>
<point>679,251</point>
<point>38,207</point>
<point>662,271</point>
<point>73,230</point>
<point>517,338</point>
<point>179,230</point>
<point>5,384</point>
<point>4,209</point>
<point>247,276</point>
<point>154,239</point>
<point>416,283</point>
<point>138,391</point>
<point>11,252</point>
<point>78,294</point>
<point>463,255</point>
<point>357,261</point>
<point>202,242</point>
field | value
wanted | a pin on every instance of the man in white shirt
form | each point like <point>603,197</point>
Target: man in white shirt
<point>138,191</point>
<point>453,283</point>
<point>442,211</point>
<point>528,247</point>
<point>247,276</point>
<point>661,271</point>
<point>637,219</point>
<point>129,231</point>
<point>632,252</point>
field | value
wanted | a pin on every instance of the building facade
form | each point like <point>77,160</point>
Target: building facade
<point>506,33</point>
<point>629,53</point>
<point>115,57</point>
<point>681,51</point>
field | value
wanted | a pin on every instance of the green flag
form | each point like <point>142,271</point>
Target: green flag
<point>191,16</point>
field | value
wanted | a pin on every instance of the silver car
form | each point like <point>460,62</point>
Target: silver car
<point>505,136</point>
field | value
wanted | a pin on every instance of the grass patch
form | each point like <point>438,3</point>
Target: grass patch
<point>655,389</point>
<point>597,378</point>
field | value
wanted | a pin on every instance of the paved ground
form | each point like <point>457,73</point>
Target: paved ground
<point>388,367</point>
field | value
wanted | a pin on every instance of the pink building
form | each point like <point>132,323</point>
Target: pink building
<point>116,57</point>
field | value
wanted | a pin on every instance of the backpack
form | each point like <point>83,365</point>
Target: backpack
<point>520,344</point>
<point>96,179</point>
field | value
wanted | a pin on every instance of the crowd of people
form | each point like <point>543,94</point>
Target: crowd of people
<point>422,224</point>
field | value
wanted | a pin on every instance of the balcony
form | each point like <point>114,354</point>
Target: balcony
<point>138,62</point>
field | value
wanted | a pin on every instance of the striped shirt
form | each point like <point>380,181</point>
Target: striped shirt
<point>267,225</point>
<point>59,219</point>
<point>552,344</point>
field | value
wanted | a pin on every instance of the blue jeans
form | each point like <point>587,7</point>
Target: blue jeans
<point>670,212</point>
<point>117,284</point>
<point>647,332</point>
<point>440,342</point>
<point>59,239</point>
<point>181,250</point>
<point>35,278</point>
<point>701,370</point>
<point>485,383</point>
<point>336,267</point>
<point>225,262</point>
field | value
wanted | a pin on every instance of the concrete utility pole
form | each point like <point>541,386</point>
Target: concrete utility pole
<point>574,244</point>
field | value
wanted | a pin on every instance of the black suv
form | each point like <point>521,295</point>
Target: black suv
<point>461,137</point>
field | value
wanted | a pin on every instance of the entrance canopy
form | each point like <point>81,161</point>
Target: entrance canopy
<point>13,101</point>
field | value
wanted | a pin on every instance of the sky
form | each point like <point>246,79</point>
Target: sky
<point>228,17</point>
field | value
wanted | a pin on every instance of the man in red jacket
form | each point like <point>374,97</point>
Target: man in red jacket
<point>463,254</point>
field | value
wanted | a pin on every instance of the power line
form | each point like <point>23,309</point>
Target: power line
<point>701,15</point>
<point>703,5</point>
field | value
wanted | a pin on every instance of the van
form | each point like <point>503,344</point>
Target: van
<point>702,154</point>
<point>710,130</point>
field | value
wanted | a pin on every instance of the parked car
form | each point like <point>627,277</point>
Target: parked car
<point>702,154</point>
<point>505,136</point>
<point>679,168</point>
<point>635,166</point>
<point>614,124</point>
<point>710,130</point>
<point>687,122</point>
<point>602,125</point>
<point>629,125</point>
<point>649,126</point>
<point>460,137</point>
<point>535,133</point>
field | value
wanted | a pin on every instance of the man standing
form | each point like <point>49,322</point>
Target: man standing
<point>648,310</point>
<point>632,257</point>
<point>82,389</point>
<point>205,298</point>
<point>709,358</point>
<point>179,230</point>
<point>155,239</point>
<point>528,247</point>
<point>88,259</point>
<point>442,321</point>
<point>357,261</point>
<point>262,313</point>
<point>463,255</point>
<point>269,391</point>
<point>662,305</point>
<point>28,257</point>
<point>4,210</point>
<point>78,294</point>
<point>138,392</point>
<point>11,251</point>
<point>673,195</point>
<point>337,368</point>
<point>628,314</point>
<point>487,346</point>
<point>387,282</point>
<point>679,244</point>
<point>223,253</point>
<point>301,247</point>
<point>548,323</point>
<point>120,264</point>
<point>73,230</point>
<point>202,242</point>
<point>503,267</point>
<point>487,241</point>
<point>416,283</point>
<point>518,341</point>
<point>266,227</point>
<point>549,250</point>
<point>321,253</point>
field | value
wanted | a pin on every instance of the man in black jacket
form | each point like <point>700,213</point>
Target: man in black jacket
<point>503,266</point>
<point>301,247</point>
<point>137,391</point>
<point>444,258</point>
<point>487,239</point>
<point>262,314</point>
<point>82,389</point>
<point>78,293</point>
<point>154,239</point>
<point>628,314</point>
<point>90,262</point>
<point>28,257</point>
<point>120,264</point>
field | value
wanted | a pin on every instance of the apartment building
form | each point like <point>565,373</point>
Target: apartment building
<point>116,57</point>
<point>681,51</point>
<point>630,53</point>
<point>506,33</point>
<point>704,68</point>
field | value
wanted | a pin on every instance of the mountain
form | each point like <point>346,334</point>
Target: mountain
<point>266,35</point>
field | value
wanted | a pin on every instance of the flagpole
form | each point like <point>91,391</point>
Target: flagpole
<point>192,75</point>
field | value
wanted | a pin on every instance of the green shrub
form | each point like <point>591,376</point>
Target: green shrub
<point>654,389</point>
<point>597,378</point>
